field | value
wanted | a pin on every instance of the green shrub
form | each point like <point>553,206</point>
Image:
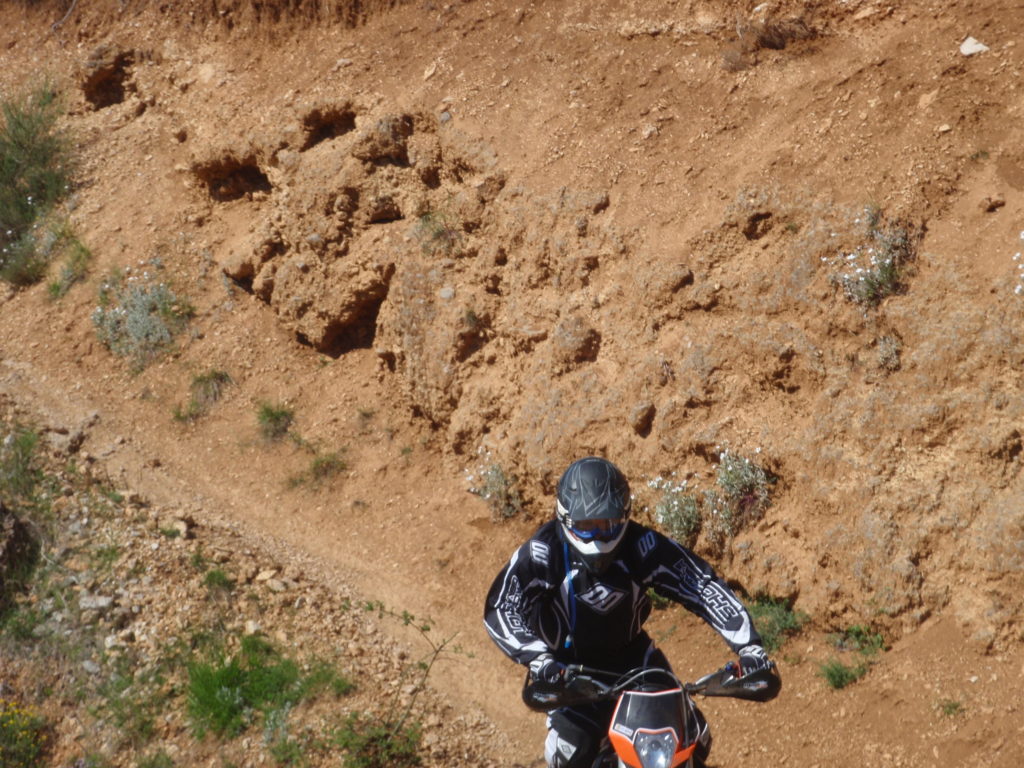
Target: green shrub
<point>138,317</point>
<point>839,675</point>
<point>225,696</point>
<point>370,742</point>
<point>34,175</point>
<point>274,420</point>
<point>22,736</point>
<point>775,620</point>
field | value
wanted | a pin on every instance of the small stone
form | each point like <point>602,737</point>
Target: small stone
<point>91,667</point>
<point>970,47</point>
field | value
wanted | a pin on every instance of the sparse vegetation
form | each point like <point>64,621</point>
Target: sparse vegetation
<point>226,695</point>
<point>775,620</point>
<point>218,582</point>
<point>206,389</point>
<point>75,266</point>
<point>889,350</point>
<point>22,736</point>
<point>496,487</point>
<point>436,233</point>
<point>369,742</point>
<point>876,266</point>
<point>839,675</point>
<point>34,176</point>
<point>275,420</point>
<point>138,316</point>
<point>677,510</point>
<point>859,639</point>
<point>950,707</point>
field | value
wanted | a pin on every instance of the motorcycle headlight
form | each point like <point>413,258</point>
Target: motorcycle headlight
<point>655,750</point>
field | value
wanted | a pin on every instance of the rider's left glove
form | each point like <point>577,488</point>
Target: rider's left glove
<point>753,658</point>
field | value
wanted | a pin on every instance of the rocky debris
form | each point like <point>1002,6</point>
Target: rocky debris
<point>133,583</point>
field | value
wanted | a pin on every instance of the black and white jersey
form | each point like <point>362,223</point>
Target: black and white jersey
<point>545,600</point>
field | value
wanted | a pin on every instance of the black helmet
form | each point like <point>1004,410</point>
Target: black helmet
<point>593,508</point>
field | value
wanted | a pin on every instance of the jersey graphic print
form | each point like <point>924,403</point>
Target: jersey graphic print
<point>602,598</point>
<point>539,552</point>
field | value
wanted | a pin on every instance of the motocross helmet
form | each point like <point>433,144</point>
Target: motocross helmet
<point>592,508</point>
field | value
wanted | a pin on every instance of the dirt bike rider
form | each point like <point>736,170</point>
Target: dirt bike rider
<point>576,593</point>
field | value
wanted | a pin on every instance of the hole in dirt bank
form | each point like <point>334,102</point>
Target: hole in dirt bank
<point>323,125</point>
<point>107,82</point>
<point>231,179</point>
<point>358,334</point>
<point>757,226</point>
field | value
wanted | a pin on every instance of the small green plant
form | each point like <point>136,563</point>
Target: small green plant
<point>75,266</point>
<point>861,639</point>
<point>274,420</point>
<point>159,759</point>
<point>369,742</point>
<point>35,174</point>
<point>839,675</point>
<point>218,582</point>
<point>206,389</point>
<point>22,736</point>
<point>658,602</point>
<point>496,487</point>
<point>950,707</point>
<point>321,469</point>
<point>775,620</point>
<point>676,510</point>
<point>436,233</point>
<point>138,317</point>
<point>19,470</point>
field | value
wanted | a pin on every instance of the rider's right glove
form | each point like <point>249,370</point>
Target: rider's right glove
<point>753,658</point>
<point>544,668</point>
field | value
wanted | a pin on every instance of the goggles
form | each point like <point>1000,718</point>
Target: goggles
<point>599,530</point>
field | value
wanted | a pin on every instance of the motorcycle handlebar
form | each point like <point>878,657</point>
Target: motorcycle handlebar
<point>582,684</point>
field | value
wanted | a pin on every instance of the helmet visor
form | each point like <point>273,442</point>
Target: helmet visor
<point>597,530</point>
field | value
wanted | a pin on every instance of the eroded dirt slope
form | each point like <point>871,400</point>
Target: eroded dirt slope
<point>438,231</point>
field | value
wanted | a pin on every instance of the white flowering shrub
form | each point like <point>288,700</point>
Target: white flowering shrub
<point>876,267</point>
<point>496,487</point>
<point>745,486</point>
<point>676,510</point>
<point>138,316</point>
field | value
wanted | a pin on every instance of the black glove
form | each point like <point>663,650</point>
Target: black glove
<point>753,658</point>
<point>545,669</point>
